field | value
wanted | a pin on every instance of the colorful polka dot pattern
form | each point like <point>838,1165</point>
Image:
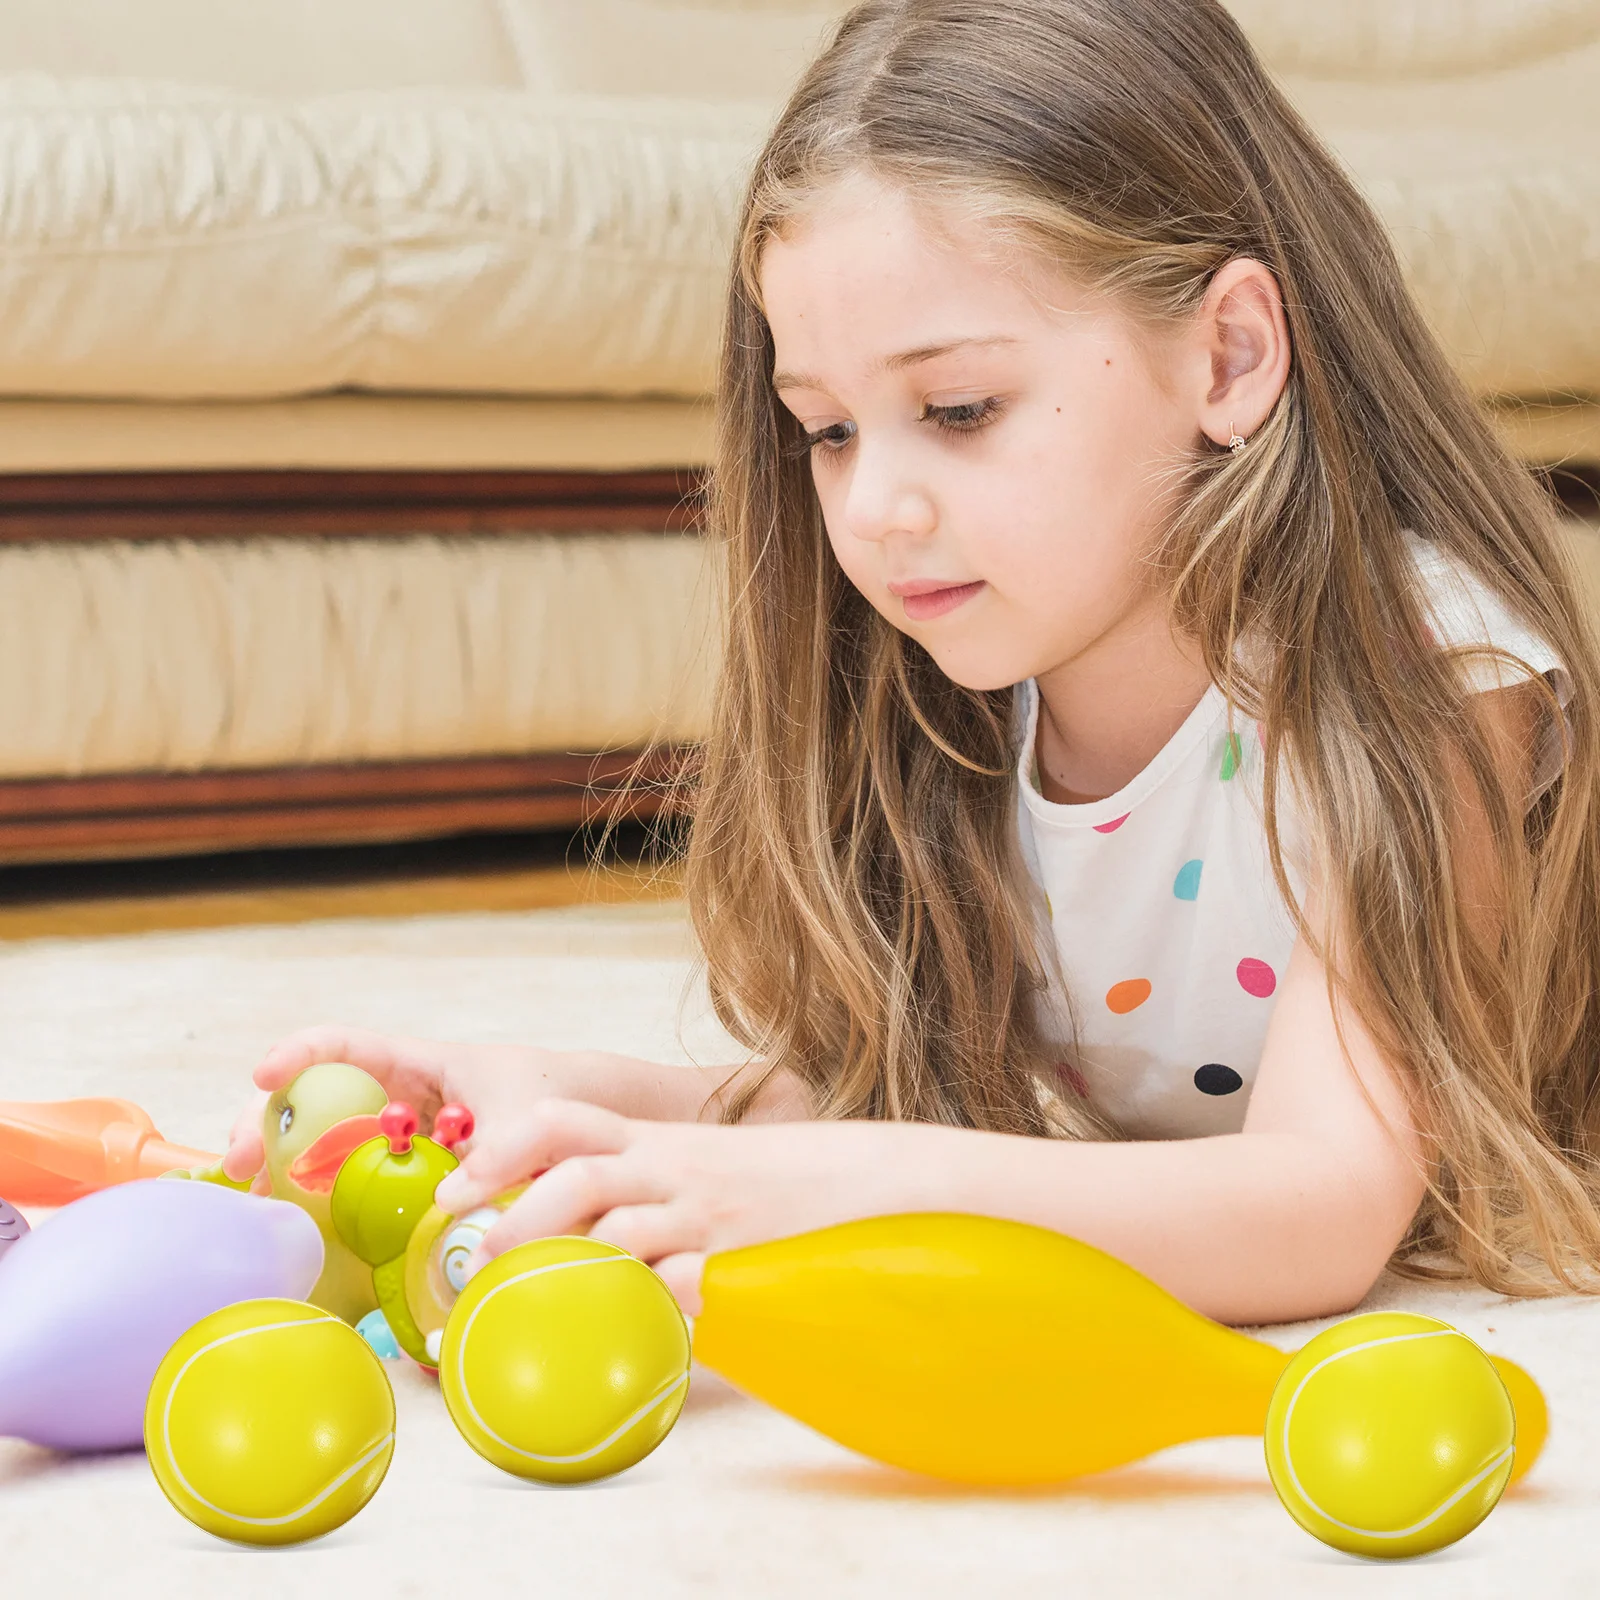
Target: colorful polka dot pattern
<point>1072,1079</point>
<point>1215,1078</point>
<point>1128,995</point>
<point>1232,757</point>
<point>1256,977</point>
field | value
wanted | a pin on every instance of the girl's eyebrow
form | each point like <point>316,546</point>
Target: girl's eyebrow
<point>931,352</point>
<point>899,361</point>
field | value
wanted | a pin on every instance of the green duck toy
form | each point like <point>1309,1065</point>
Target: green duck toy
<point>307,1130</point>
<point>340,1150</point>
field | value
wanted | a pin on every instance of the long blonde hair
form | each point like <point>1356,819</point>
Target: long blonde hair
<point>854,873</point>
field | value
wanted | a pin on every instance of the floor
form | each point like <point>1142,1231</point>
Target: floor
<point>740,1501</point>
<point>492,873</point>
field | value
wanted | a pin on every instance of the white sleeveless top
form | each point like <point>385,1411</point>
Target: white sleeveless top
<point>1172,935</point>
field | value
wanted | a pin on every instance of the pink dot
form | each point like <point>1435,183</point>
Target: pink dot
<point>1111,827</point>
<point>1073,1079</point>
<point>1256,977</point>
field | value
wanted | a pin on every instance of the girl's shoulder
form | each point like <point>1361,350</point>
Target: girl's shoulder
<point>1498,647</point>
<point>1465,614</point>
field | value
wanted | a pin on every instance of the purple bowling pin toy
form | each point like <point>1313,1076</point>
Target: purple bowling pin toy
<point>92,1299</point>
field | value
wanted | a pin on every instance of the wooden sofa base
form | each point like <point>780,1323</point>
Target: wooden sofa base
<point>158,813</point>
<point>61,819</point>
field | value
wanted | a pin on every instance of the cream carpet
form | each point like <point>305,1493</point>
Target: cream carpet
<point>739,1501</point>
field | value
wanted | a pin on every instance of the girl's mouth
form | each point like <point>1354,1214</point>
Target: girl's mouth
<point>923,600</point>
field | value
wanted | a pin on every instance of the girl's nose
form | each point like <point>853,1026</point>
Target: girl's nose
<point>884,501</point>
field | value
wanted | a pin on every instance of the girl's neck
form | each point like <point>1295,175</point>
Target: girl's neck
<point>1105,715</point>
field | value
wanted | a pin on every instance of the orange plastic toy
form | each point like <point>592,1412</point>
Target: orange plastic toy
<point>56,1151</point>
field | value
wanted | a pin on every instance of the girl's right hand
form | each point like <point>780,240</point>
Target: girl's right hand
<point>496,1081</point>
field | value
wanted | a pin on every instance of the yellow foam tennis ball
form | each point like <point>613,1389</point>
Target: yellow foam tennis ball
<point>1390,1435</point>
<point>565,1360</point>
<point>269,1422</point>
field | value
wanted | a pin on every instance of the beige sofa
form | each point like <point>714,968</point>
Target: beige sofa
<point>353,360</point>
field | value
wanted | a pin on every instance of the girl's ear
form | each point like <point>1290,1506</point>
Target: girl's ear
<point>1241,345</point>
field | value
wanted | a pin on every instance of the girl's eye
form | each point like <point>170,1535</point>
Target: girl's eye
<point>828,440</point>
<point>967,417</point>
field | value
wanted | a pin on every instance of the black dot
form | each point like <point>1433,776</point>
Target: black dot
<point>1214,1078</point>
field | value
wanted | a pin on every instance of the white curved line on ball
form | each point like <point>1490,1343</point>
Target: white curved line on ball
<point>663,1393</point>
<point>234,1516</point>
<point>1439,1510</point>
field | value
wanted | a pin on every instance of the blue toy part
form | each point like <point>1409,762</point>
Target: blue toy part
<point>375,1329</point>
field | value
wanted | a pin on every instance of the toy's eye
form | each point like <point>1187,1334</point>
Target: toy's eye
<point>456,1248</point>
<point>285,1120</point>
<point>455,1265</point>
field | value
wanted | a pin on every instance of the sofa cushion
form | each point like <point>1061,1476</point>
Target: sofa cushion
<point>280,47</point>
<point>168,242</point>
<point>725,49</point>
<point>1490,188</point>
<point>264,652</point>
<point>1412,38</point>
<point>361,432</point>
<point>705,50</point>
<point>165,242</point>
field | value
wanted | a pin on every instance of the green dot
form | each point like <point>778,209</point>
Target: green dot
<point>1232,756</point>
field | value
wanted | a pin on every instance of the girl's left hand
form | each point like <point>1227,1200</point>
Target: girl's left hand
<point>668,1192</point>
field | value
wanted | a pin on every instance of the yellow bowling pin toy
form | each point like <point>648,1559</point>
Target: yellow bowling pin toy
<point>990,1352</point>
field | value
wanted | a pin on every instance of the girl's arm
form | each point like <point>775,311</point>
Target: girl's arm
<point>1294,1217</point>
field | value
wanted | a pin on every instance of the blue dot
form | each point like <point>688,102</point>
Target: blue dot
<point>1187,884</point>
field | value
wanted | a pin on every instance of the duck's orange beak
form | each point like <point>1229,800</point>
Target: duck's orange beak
<point>316,1167</point>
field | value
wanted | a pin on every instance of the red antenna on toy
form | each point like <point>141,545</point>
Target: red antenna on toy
<point>398,1123</point>
<point>453,1124</point>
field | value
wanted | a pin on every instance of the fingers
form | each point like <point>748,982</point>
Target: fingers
<point>394,1063</point>
<point>593,1171</point>
<point>565,1200</point>
<point>651,1232</point>
<point>555,1131</point>
<point>682,1274</point>
<point>245,1153</point>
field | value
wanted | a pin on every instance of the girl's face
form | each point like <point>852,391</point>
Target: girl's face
<point>993,449</point>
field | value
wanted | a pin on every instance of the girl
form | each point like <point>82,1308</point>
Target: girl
<point>1153,787</point>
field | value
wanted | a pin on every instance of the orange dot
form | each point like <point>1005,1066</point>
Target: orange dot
<point>1128,995</point>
